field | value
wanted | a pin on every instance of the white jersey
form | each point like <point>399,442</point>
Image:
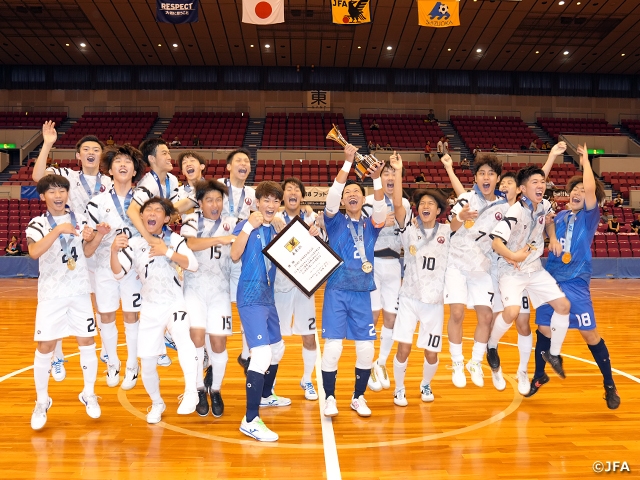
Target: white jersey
<point>160,281</point>
<point>187,191</point>
<point>282,283</point>
<point>471,247</point>
<point>56,280</point>
<point>82,187</point>
<point>519,227</point>
<point>389,236</point>
<point>214,264</point>
<point>148,188</point>
<point>424,271</point>
<point>102,209</point>
<point>244,201</point>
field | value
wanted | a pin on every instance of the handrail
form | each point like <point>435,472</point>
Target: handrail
<point>34,109</point>
<point>204,108</point>
<point>120,108</point>
<point>554,114</point>
<point>628,116</point>
<point>303,109</point>
<point>487,113</point>
<point>413,111</point>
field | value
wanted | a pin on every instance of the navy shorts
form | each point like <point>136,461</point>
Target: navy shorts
<point>582,316</point>
<point>347,314</point>
<point>261,324</point>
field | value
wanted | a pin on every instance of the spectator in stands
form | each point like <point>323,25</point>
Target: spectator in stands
<point>614,225</point>
<point>635,225</point>
<point>176,142</point>
<point>476,151</point>
<point>420,178</point>
<point>371,146</point>
<point>618,201</point>
<point>432,116</point>
<point>195,140</point>
<point>378,147</point>
<point>445,145</point>
<point>374,126</point>
<point>604,218</point>
<point>533,146</point>
<point>494,147</point>
<point>546,146</point>
<point>13,248</point>
<point>440,147</point>
<point>388,146</point>
<point>452,199</point>
<point>465,164</point>
<point>110,141</point>
<point>427,151</point>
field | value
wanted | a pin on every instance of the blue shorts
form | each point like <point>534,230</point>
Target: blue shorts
<point>581,316</point>
<point>261,324</point>
<point>347,314</point>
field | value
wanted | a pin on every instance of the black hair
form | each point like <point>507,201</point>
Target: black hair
<point>435,194</point>
<point>168,207</point>
<point>509,175</point>
<point>296,181</point>
<point>205,186</point>
<point>488,159</point>
<point>148,148</point>
<point>88,138</point>
<point>110,153</point>
<point>190,153</point>
<point>235,152</point>
<point>526,173</point>
<point>577,179</point>
<point>269,189</point>
<point>52,181</point>
<point>353,182</point>
<point>387,166</point>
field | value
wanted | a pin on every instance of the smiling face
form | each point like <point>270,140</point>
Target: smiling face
<point>161,161</point>
<point>154,218</point>
<point>352,199</point>
<point>239,167</point>
<point>534,188</point>
<point>211,205</point>
<point>268,206</point>
<point>292,197</point>
<point>56,200</point>
<point>509,188</point>
<point>486,179</point>
<point>388,177</point>
<point>192,169</point>
<point>428,210</point>
<point>89,155</point>
<point>122,169</point>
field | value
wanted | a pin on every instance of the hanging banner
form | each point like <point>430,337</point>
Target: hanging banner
<point>262,12</point>
<point>177,13</point>
<point>350,12</point>
<point>439,13</point>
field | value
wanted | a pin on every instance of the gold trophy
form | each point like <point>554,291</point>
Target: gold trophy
<point>363,162</point>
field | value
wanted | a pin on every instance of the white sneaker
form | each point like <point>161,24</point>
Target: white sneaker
<point>113,375</point>
<point>188,402</point>
<point>330,407</point>
<point>426,393</point>
<point>258,430</point>
<point>498,380</point>
<point>164,360</point>
<point>458,377</point>
<point>58,372</point>
<point>309,390</point>
<point>39,415</point>
<point>154,413</point>
<point>382,375</point>
<point>360,406</point>
<point>91,404</point>
<point>374,382</point>
<point>399,398</point>
<point>523,383</point>
<point>477,375</point>
<point>275,401</point>
<point>130,378</point>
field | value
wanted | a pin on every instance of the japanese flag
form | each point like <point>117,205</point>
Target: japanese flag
<point>263,12</point>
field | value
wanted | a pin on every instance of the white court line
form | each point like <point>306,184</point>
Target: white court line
<point>331,461</point>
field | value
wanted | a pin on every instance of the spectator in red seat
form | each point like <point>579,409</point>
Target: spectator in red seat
<point>604,218</point>
<point>431,117</point>
<point>533,146</point>
<point>635,225</point>
<point>371,146</point>
<point>465,164</point>
<point>13,248</point>
<point>420,178</point>
<point>374,126</point>
<point>476,151</point>
<point>110,140</point>
<point>614,225</point>
<point>440,147</point>
<point>196,140</point>
<point>427,151</point>
<point>618,201</point>
<point>494,147</point>
<point>176,142</point>
<point>388,146</point>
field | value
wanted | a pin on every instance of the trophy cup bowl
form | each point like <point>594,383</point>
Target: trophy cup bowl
<point>362,162</point>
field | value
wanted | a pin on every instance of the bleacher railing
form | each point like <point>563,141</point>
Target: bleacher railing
<point>487,113</point>
<point>121,108</point>
<point>628,116</point>
<point>246,110</point>
<point>551,114</point>
<point>30,108</point>
<point>396,111</point>
<point>303,109</point>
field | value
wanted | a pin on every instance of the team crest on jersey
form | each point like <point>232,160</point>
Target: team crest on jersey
<point>102,188</point>
<point>247,201</point>
<point>540,220</point>
<point>226,227</point>
<point>498,216</point>
<point>108,210</point>
<point>440,239</point>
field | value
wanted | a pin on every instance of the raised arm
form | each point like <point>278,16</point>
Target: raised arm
<point>558,149</point>
<point>455,181</point>
<point>400,212</point>
<point>50,136</point>
<point>238,246</point>
<point>332,203</point>
<point>588,180</point>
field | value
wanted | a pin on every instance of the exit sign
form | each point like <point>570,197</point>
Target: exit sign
<point>595,151</point>
<point>7,145</point>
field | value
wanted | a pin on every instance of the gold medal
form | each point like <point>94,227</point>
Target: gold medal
<point>413,249</point>
<point>180,272</point>
<point>566,257</point>
<point>469,224</point>
<point>367,267</point>
<point>71,264</point>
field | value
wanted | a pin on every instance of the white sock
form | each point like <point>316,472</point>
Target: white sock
<point>245,348</point>
<point>41,371</point>
<point>186,355</point>
<point>525,344</point>
<point>429,371</point>
<point>109,334</point>
<point>478,351</point>
<point>150,378</point>
<point>89,364</point>
<point>399,371</point>
<point>559,327</point>
<point>309,361</point>
<point>98,320</point>
<point>455,349</point>
<point>218,367</point>
<point>58,351</point>
<point>207,346</point>
<point>498,331</point>
<point>131,336</point>
<point>199,368</point>
<point>386,343</point>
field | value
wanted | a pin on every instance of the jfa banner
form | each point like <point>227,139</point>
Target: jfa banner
<point>318,100</point>
<point>439,13</point>
<point>175,13</point>
<point>350,11</point>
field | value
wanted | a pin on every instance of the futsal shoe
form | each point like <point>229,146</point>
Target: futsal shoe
<point>258,430</point>
<point>202,408</point>
<point>330,407</point>
<point>426,394</point>
<point>188,402</point>
<point>477,375</point>
<point>39,415</point>
<point>154,413</point>
<point>113,375</point>
<point>168,341</point>
<point>104,358</point>
<point>498,380</point>
<point>374,382</point>
<point>536,383</point>
<point>611,396</point>
<point>164,361</point>
<point>275,401</point>
<point>523,383</point>
<point>309,390</point>
<point>58,372</point>
<point>400,398</point>
<point>360,406</point>
<point>130,378</point>
<point>208,377</point>
<point>556,363</point>
<point>91,404</point>
<point>381,375</point>
<point>493,359</point>
<point>457,376</point>
<point>244,363</point>
<point>217,405</point>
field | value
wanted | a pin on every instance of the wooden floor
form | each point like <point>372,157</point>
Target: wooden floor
<point>473,433</point>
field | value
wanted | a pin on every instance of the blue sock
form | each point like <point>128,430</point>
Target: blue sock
<point>329,383</point>
<point>542,345</point>
<point>255,382</point>
<point>600,354</point>
<point>269,380</point>
<point>362,377</point>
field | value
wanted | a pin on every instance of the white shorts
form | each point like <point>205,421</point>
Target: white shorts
<point>541,287</point>
<point>110,292</point>
<point>65,317</point>
<point>387,273</point>
<point>91,267</point>
<point>236,269</point>
<point>469,288</point>
<point>154,320</point>
<point>213,313</point>
<point>297,313</point>
<point>431,318</point>
<point>497,298</point>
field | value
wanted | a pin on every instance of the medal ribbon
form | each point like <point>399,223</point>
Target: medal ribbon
<point>569,220</point>
<point>497,193</point>
<point>127,202</point>
<point>63,241</point>
<point>263,241</point>
<point>529,204</point>
<point>389,203</point>
<point>426,239</point>
<point>358,238</point>
<point>210,233</point>
<point>167,185</point>
<point>231,205</point>
<point>96,187</point>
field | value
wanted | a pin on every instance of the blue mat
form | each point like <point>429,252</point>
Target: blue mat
<point>18,267</point>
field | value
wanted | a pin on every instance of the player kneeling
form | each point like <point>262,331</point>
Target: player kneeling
<point>160,268</point>
<point>61,239</point>
<point>206,291</point>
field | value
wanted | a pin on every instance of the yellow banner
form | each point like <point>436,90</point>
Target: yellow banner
<point>439,13</point>
<point>350,12</point>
